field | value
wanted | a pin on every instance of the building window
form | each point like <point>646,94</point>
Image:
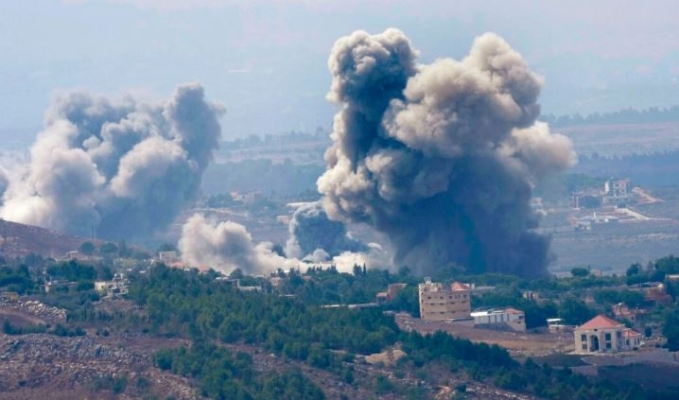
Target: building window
<point>583,337</point>
<point>608,345</point>
<point>584,346</point>
<point>608,336</point>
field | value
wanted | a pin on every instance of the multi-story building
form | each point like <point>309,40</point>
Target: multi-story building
<point>617,187</point>
<point>444,303</point>
<point>605,335</point>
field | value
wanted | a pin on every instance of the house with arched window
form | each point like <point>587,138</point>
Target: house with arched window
<point>602,334</point>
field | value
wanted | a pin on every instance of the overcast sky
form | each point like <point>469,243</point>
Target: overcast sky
<point>267,60</point>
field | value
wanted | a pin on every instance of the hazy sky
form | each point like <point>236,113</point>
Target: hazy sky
<point>267,60</point>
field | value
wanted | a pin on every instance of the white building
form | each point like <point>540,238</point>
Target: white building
<point>168,256</point>
<point>602,334</point>
<point>116,287</point>
<point>508,317</point>
<point>444,303</point>
<point>617,188</point>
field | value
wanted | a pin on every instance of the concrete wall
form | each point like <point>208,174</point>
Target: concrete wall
<point>442,303</point>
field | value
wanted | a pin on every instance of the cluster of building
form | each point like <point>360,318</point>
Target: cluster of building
<point>452,303</point>
<point>439,302</point>
<point>614,191</point>
<point>116,287</point>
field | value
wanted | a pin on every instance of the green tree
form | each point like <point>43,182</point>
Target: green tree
<point>671,329</point>
<point>167,247</point>
<point>574,311</point>
<point>634,269</point>
<point>87,248</point>
<point>383,385</point>
<point>579,272</point>
<point>108,249</point>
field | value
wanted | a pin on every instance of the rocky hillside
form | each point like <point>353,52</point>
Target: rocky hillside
<point>17,240</point>
<point>45,366</point>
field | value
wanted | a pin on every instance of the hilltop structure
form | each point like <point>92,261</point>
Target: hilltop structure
<point>442,303</point>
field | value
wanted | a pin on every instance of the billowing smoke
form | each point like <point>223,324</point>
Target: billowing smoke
<point>442,158</point>
<point>4,181</point>
<point>226,246</point>
<point>312,234</point>
<point>123,167</point>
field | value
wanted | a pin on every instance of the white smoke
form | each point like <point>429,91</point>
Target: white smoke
<point>225,246</point>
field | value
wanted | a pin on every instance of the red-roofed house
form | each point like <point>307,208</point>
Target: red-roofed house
<point>602,334</point>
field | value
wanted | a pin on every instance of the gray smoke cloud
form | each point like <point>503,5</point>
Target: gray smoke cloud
<point>4,181</point>
<point>225,246</point>
<point>442,158</point>
<point>314,235</point>
<point>123,167</point>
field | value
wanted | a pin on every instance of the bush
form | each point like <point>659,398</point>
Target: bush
<point>383,385</point>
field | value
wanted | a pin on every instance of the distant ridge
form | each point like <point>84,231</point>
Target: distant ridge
<point>18,240</point>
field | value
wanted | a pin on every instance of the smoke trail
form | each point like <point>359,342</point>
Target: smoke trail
<point>441,157</point>
<point>313,234</point>
<point>123,167</point>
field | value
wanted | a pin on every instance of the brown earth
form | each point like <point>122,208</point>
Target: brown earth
<point>18,240</point>
<point>519,344</point>
<point>51,367</point>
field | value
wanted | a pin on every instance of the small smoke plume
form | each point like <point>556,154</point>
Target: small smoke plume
<point>313,234</point>
<point>226,246</point>
<point>122,167</point>
<point>442,158</point>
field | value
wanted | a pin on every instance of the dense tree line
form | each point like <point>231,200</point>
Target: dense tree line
<point>262,175</point>
<point>181,303</point>
<point>294,324</point>
<point>656,271</point>
<point>269,140</point>
<point>223,375</point>
<point>17,279</point>
<point>194,305</point>
<point>626,116</point>
<point>58,330</point>
<point>648,170</point>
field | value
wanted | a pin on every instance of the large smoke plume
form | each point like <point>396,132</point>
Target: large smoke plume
<point>121,167</point>
<point>440,157</point>
<point>313,234</point>
<point>226,246</point>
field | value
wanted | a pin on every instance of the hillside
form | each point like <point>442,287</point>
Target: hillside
<point>18,240</point>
